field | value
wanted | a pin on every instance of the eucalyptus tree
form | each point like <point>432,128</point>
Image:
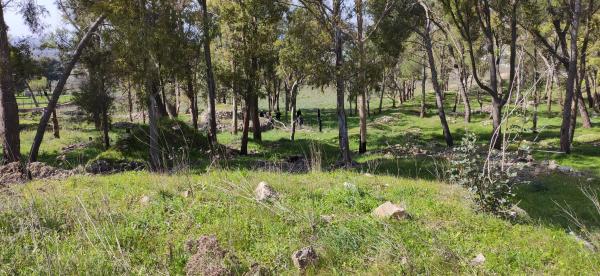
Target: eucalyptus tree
<point>9,110</point>
<point>249,27</point>
<point>331,18</point>
<point>210,78</point>
<point>303,55</point>
<point>414,18</point>
<point>482,22</point>
<point>564,18</point>
<point>86,36</point>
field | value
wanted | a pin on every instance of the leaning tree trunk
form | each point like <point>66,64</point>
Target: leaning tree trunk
<point>436,85</point>
<point>39,136</point>
<point>210,79</point>
<point>35,102</point>
<point>9,110</point>
<point>55,126</point>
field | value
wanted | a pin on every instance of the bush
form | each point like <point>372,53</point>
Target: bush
<point>491,187</point>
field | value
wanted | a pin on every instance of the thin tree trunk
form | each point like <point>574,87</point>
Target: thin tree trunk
<point>344,145</point>
<point>35,102</point>
<point>465,96</point>
<point>382,92</point>
<point>130,100</point>
<point>105,128</point>
<point>423,92</point>
<point>565,130</point>
<point>234,120</point>
<point>434,80</point>
<point>362,96</point>
<point>293,124</point>
<point>246,126</point>
<point>210,79</point>
<point>39,136</point>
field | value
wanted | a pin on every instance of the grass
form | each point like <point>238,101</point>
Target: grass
<point>98,224</point>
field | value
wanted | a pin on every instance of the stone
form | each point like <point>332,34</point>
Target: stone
<point>516,212</point>
<point>565,169</point>
<point>264,192</point>
<point>552,165</point>
<point>304,257</point>
<point>389,210</point>
<point>478,260</point>
<point>145,200</point>
<point>349,186</point>
<point>368,175</point>
<point>327,218</point>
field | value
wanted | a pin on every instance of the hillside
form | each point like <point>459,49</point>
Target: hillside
<point>140,223</point>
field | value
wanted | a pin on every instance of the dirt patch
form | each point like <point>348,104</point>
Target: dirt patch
<point>15,173</point>
<point>209,258</point>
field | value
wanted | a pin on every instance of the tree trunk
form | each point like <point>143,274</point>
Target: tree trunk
<point>55,126</point>
<point>130,100</point>
<point>344,145</point>
<point>293,124</point>
<point>35,102</point>
<point>423,92</point>
<point>565,133</point>
<point>465,96</point>
<point>105,128</point>
<point>191,94</point>
<point>39,136</point>
<point>210,79</point>
<point>234,116</point>
<point>246,126</point>
<point>434,80</point>
<point>9,110</point>
<point>362,93</point>
<point>382,92</point>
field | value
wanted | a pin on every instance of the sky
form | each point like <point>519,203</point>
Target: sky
<point>17,27</point>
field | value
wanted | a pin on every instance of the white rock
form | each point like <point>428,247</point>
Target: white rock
<point>264,192</point>
<point>349,186</point>
<point>145,200</point>
<point>368,175</point>
<point>327,218</point>
<point>389,210</point>
<point>478,260</point>
<point>565,169</point>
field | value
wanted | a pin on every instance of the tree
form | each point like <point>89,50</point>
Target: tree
<point>564,18</point>
<point>250,27</point>
<point>472,18</point>
<point>417,19</point>
<point>331,19</point>
<point>95,96</point>
<point>39,136</point>
<point>210,79</point>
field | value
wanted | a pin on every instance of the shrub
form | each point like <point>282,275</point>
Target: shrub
<point>485,178</point>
